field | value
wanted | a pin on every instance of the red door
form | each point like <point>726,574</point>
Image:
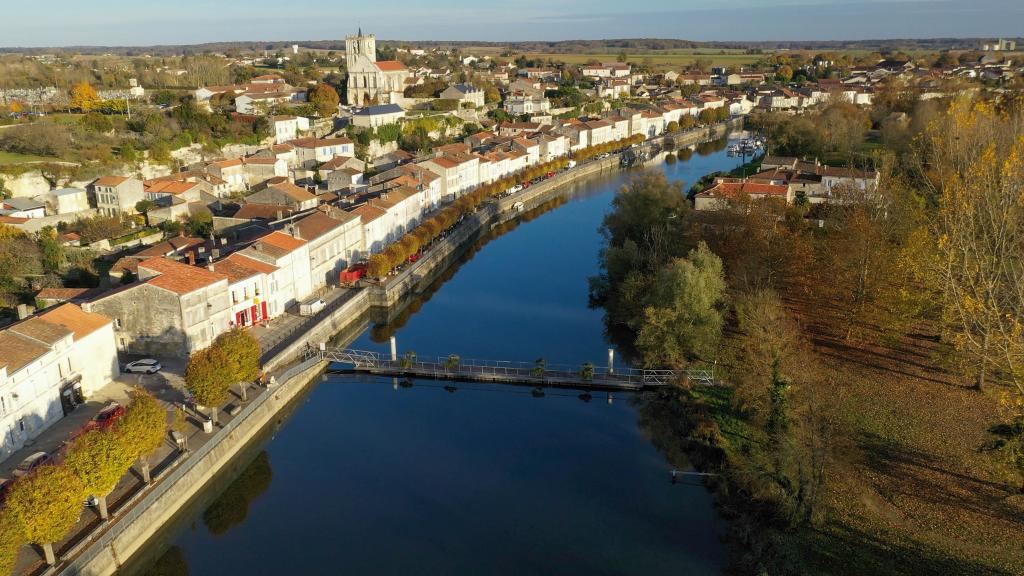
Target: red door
<point>253,314</point>
<point>265,315</point>
<point>240,318</point>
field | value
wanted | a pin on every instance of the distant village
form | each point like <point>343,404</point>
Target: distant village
<point>325,192</point>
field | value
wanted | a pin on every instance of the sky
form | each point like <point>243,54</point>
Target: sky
<point>145,22</point>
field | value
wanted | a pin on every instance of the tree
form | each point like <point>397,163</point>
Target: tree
<point>232,506</point>
<point>84,97</point>
<point>11,541</point>
<point>47,504</point>
<point>99,458</point>
<point>207,380</point>
<point>142,429</point>
<point>242,352</point>
<point>976,173</point>
<point>683,320</point>
<point>144,207</point>
<point>51,249</point>
<point>784,73</point>
<point>200,223</point>
<point>325,98</point>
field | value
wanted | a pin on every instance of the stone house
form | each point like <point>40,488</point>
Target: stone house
<point>116,195</point>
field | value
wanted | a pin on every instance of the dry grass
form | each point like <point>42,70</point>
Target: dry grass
<point>920,496</point>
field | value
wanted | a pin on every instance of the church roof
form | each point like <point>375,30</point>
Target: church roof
<point>390,66</point>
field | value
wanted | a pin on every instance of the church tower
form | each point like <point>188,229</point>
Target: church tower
<point>360,48</point>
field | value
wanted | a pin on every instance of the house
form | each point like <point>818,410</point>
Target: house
<point>614,88</point>
<point>50,296</point>
<point>51,363</point>
<point>312,151</point>
<point>334,239</point>
<point>261,103</point>
<point>115,195</point>
<point>464,93</point>
<point>612,70</point>
<point>163,192</point>
<point>375,229</point>
<point>250,289</point>
<point>519,103</point>
<point>66,200</point>
<point>834,178</point>
<point>292,281</point>
<point>22,208</point>
<point>287,128</point>
<point>286,194</point>
<point>241,174</point>
<point>459,173</point>
<point>174,309</point>
<point>374,116</point>
<point>725,192</point>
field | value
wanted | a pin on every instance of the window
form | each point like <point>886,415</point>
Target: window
<point>117,323</point>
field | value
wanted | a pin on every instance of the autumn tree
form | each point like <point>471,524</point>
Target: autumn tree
<point>207,379</point>
<point>975,170</point>
<point>242,352</point>
<point>144,207</point>
<point>142,429</point>
<point>325,98</point>
<point>47,505</point>
<point>84,97</point>
<point>99,458</point>
<point>11,541</point>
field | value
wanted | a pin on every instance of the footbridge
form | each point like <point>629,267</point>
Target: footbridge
<point>538,373</point>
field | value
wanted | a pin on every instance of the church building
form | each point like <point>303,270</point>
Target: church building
<point>369,81</point>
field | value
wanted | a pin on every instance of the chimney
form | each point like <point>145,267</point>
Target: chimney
<point>22,311</point>
<point>210,267</point>
<point>280,215</point>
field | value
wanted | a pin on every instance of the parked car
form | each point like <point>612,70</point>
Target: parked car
<point>144,366</point>
<point>106,418</point>
<point>31,464</point>
<point>311,307</point>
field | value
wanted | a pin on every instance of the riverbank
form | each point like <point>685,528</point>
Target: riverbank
<point>133,524</point>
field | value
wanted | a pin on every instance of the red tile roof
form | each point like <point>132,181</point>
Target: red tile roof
<point>73,318</point>
<point>110,181</point>
<point>179,278</point>
<point>390,66</point>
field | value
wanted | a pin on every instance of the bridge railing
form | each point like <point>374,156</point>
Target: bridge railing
<point>449,366</point>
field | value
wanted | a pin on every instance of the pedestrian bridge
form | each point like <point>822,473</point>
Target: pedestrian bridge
<point>538,373</point>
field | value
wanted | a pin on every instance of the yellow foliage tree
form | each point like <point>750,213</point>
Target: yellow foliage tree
<point>84,97</point>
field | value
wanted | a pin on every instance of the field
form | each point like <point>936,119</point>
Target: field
<point>10,158</point>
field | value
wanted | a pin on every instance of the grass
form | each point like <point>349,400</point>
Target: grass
<point>12,158</point>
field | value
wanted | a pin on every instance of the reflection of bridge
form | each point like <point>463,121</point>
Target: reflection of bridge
<point>505,372</point>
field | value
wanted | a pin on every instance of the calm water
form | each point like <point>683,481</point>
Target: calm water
<point>368,479</point>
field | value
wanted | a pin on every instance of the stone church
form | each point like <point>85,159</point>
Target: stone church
<point>369,81</point>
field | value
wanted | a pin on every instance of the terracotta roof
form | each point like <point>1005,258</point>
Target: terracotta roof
<point>390,65</point>
<point>40,330</point>
<point>170,187</point>
<point>281,241</point>
<point>735,189</point>
<point>13,220</point>
<point>237,267</point>
<point>319,142</point>
<point>60,293</point>
<point>110,181</point>
<point>242,260</point>
<point>368,213</point>
<point>177,277</point>
<point>170,246</point>
<point>126,264</point>
<point>335,163</point>
<point>298,193</point>
<point>73,318</point>
<point>316,225</point>
<point>19,351</point>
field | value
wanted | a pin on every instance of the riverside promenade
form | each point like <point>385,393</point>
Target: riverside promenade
<point>138,518</point>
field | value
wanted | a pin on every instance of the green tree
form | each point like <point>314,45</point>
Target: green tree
<point>143,428</point>
<point>207,380</point>
<point>683,319</point>
<point>232,506</point>
<point>51,249</point>
<point>99,458</point>
<point>144,207</point>
<point>47,505</point>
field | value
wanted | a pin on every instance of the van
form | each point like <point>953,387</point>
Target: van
<point>312,307</point>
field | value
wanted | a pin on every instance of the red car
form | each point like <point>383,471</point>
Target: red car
<point>106,418</point>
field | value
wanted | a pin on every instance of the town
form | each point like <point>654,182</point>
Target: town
<point>155,207</point>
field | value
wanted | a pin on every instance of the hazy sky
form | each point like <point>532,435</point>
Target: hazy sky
<point>145,22</point>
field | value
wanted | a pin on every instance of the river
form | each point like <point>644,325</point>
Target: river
<point>366,477</point>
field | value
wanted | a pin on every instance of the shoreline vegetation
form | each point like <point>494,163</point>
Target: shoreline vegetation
<point>869,412</point>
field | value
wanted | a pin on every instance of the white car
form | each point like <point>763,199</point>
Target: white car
<point>145,366</point>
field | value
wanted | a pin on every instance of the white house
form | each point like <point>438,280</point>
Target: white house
<point>313,151</point>
<point>292,281</point>
<point>374,116</point>
<point>459,173</point>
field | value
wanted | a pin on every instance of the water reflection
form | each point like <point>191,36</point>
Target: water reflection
<point>232,507</point>
<point>172,563</point>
